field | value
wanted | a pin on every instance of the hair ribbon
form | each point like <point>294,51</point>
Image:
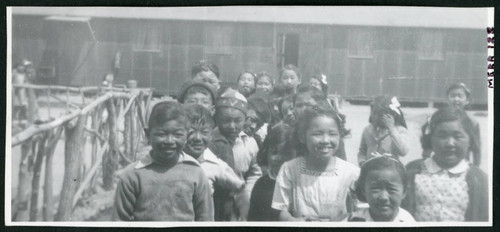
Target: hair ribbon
<point>395,105</point>
<point>323,79</point>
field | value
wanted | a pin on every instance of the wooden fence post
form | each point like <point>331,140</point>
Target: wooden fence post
<point>110,159</point>
<point>133,131</point>
<point>35,183</point>
<point>127,134</point>
<point>24,187</point>
<point>48,207</point>
<point>72,150</point>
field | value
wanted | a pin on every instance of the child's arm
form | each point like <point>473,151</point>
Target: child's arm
<point>203,203</point>
<point>125,199</point>
<point>400,137</point>
<point>476,150</point>
<point>243,198</point>
<point>363,149</point>
<point>227,178</point>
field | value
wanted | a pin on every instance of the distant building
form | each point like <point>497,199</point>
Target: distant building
<point>414,53</point>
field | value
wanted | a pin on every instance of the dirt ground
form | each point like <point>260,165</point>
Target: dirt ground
<point>357,120</point>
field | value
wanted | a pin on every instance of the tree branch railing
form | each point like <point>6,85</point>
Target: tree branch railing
<point>111,125</point>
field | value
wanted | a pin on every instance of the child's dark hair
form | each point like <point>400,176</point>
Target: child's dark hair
<point>292,68</point>
<point>304,121</point>
<point>288,98</point>
<point>315,94</point>
<point>245,72</point>
<point>378,163</point>
<point>204,66</point>
<point>200,115</point>
<point>324,86</point>
<point>264,74</point>
<point>279,136</point>
<point>447,114</point>
<point>382,104</point>
<point>459,86</point>
<point>261,107</point>
<point>165,111</point>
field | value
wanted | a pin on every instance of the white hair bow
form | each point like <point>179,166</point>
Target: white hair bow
<point>394,105</point>
<point>323,79</point>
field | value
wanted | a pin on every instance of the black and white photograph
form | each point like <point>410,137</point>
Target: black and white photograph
<point>303,116</point>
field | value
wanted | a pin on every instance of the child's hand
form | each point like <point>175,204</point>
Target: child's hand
<point>388,121</point>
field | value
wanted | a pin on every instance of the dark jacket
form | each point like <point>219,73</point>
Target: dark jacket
<point>476,179</point>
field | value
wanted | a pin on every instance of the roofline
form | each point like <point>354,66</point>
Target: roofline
<point>434,17</point>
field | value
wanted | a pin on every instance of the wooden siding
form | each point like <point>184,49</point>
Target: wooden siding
<point>393,65</point>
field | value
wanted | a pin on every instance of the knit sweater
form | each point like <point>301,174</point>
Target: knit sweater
<point>148,191</point>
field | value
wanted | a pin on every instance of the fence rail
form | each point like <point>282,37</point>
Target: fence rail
<point>110,125</point>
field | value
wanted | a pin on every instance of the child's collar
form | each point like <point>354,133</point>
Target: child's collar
<point>433,167</point>
<point>148,160</point>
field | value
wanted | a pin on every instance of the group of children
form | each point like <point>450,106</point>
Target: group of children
<point>266,151</point>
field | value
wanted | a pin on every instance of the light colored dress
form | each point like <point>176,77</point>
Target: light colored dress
<point>319,195</point>
<point>441,194</point>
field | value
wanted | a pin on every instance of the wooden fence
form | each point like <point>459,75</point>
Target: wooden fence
<point>109,121</point>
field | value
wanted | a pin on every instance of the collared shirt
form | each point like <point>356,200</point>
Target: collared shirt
<point>218,172</point>
<point>311,194</point>
<point>363,215</point>
<point>441,194</point>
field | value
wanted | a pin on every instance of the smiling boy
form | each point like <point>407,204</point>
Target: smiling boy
<point>166,184</point>
<point>239,151</point>
<point>198,138</point>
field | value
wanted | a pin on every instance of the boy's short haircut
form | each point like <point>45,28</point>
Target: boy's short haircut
<point>200,115</point>
<point>204,66</point>
<point>165,111</point>
<point>193,87</point>
<point>459,86</point>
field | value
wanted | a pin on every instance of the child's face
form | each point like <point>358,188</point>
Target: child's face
<point>198,98</point>
<point>246,84</point>
<point>275,158</point>
<point>450,143</point>
<point>290,80</point>
<point>198,138</point>
<point>230,122</point>
<point>377,116</point>
<point>315,84</point>
<point>252,123</point>
<point>168,139</point>
<point>209,78</point>
<point>264,85</point>
<point>322,137</point>
<point>457,98</point>
<point>302,101</point>
<point>384,192</point>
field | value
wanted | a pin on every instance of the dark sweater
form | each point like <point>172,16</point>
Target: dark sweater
<point>261,199</point>
<point>148,191</point>
<point>477,210</point>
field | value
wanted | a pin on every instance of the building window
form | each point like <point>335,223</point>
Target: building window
<point>360,43</point>
<point>430,45</point>
<point>219,38</point>
<point>147,39</point>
